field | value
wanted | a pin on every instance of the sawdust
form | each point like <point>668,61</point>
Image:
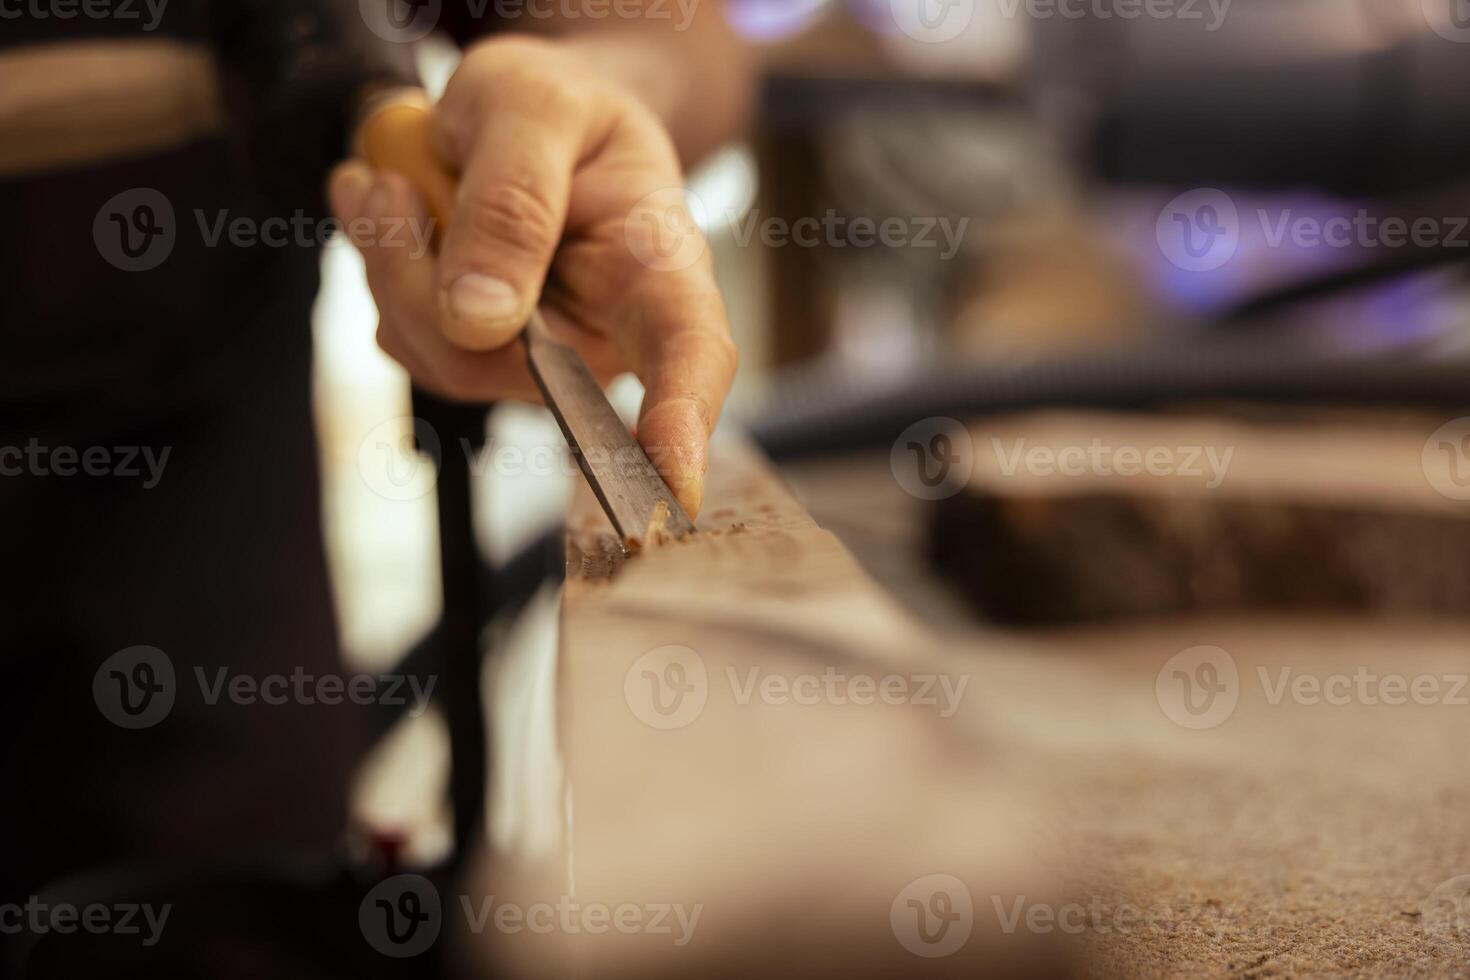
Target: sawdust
<point>656,535</point>
<point>594,554</point>
<point>1291,840</point>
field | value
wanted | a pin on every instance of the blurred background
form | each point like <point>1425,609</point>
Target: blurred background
<point>1127,344</point>
<point>1248,211</point>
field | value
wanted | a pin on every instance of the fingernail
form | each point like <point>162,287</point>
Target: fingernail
<point>690,495</point>
<point>483,298</point>
<point>349,189</point>
<point>376,204</point>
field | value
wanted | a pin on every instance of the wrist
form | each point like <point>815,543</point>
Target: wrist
<point>647,67</point>
<point>700,84</point>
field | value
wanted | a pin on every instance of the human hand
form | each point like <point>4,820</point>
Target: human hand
<point>566,180</point>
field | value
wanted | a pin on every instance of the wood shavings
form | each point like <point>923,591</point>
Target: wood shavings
<point>656,535</point>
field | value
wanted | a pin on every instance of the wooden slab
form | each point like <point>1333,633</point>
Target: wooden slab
<point>806,830</point>
<point>1252,510</point>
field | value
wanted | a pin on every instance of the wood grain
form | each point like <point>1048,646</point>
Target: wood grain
<point>794,828</point>
<point>1253,510</point>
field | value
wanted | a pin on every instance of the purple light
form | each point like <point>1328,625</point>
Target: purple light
<point>772,20</point>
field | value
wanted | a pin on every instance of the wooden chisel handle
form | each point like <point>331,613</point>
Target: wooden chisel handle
<point>397,134</point>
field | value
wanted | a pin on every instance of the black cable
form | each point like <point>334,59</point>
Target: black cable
<point>504,591</point>
<point>818,412</point>
<point>1402,262</point>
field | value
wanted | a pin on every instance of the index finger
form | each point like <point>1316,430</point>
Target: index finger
<point>687,363</point>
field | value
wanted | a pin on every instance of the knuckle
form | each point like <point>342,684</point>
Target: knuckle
<point>728,351</point>
<point>637,116</point>
<point>516,216</point>
<point>499,53</point>
<point>388,339</point>
<point>722,351</point>
<point>527,70</point>
<point>453,127</point>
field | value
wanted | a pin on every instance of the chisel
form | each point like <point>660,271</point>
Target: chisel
<point>395,134</point>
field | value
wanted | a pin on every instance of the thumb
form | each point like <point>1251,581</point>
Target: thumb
<point>505,227</point>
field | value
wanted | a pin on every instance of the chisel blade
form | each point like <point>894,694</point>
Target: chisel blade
<point>620,473</point>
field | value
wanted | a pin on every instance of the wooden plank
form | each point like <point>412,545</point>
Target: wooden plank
<point>1257,509</point>
<point>721,758</point>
